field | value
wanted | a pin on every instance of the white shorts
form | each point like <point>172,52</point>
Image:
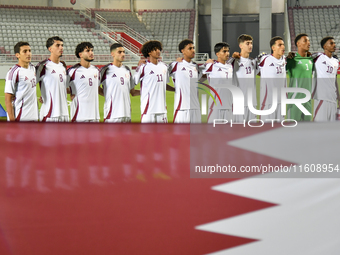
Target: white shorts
<point>248,115</point>
<point>224,114</point>
<point>324,110</point>
<point>118,120</point>
<point>276,115</point>
<point>57,119</point>
<point>86,121</point>
<point>187,116</point>
<point>154,118</point>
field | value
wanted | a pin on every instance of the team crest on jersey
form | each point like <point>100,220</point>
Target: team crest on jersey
<point>95,76</point>
<point>324,62</point>
<point>114,75</point>
<point>183,69</point>
<point>82,77</point>
<point>272,64</point>
<point>151,72</point>
<point>53,71</point>
<point>127,75</point>
<point>26,78</point>
<point>219,69</point>
<point>299,62</point>
<point>310,62</point>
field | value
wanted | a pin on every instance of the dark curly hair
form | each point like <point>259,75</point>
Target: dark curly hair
<point>82,46</point>
<point>150,46</point>
<point>184,43</point>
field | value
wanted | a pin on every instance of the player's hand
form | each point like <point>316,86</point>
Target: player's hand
<point>72,96</point>
<point>141,61</point>
<point>236,55</point>
<point>41,100</point>
<point>179,59</point>
<point>210,61</point>
<point>291,55</point>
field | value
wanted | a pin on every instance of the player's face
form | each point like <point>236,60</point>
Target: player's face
<point>247,46</point>
<point>303,43</point>
<point>57,48</point>
<point>155,53</point>
<point>87,54</point>
<point>189,51</point>
<point>25,54</point>
<point>223,54</point>
<point>330,45</point>
<point>279,48</point>
<point>118,54</point>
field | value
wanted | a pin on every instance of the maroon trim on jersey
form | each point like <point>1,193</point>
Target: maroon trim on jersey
<point>109,114</point>
<point>211,107</point>
<point>175,68</point>
<point>143,73</point>
<point>17,78</point>
<point>179,104</point>
<point>314,91</point>
<point>146,108</point>
<point>76,113</point>
<point>11,72</point>
<point>210,68</point>
<point>317,109</point>
<point>49,112</point>
<point>262,63</point>
<point>265,99</point>
<point>76,66</point>
<point>316,59</point>
<point>43,71</point>
<point>19,115</point>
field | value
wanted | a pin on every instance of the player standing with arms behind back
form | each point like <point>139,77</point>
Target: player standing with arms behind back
<point>245,74</point>
<point>273,75</point>
<point>118,84</point>
<point>300,71</point>
<point>83,80</point>
<point>153,77</point>
<point>20,88</point>
<point>186,105</point>
<point>326,92</point>
<point>51,75</point>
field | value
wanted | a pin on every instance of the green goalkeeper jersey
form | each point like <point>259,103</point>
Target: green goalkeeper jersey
<point>300,71</point>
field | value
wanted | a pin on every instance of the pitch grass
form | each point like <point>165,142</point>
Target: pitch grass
<point>135,102</point>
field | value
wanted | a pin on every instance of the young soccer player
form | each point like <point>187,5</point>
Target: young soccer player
<point>153,77</point>
<point>83,80</point>
<point>184,74</point>
<point>300,70</point>
<point>219,73</point>
<point>51,75</point>
<point>20,88</point>
<point>117,85</point>
<point>325,92</point>
<point>273,75</point>
<point>245,74</point>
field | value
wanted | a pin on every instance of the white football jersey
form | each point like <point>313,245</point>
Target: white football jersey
<point>117,83</point>
<point>52,81</point>
<point>21,83</point>
<point>84,83</point>
<point>153,79</point>
<point>185,76</point>
<point>325,81</point>
<point>218,75</point>
<point>273,74</point>
<point>245,76</point>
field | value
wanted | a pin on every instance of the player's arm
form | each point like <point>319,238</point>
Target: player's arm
<point>101,91</point>
<point>170,88</point>
<point>337,90</point>
<point>9,98</point>
<point>135,92</point>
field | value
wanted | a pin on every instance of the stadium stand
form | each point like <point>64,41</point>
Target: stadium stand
<point>170,26</point>
<point>316,21</point>
<point>36,24</point>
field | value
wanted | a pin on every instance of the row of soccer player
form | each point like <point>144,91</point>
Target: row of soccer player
<point>83,81</point>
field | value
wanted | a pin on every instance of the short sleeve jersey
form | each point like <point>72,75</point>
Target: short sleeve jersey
<point>83,83</point>
<point>52,81</point>
<point>326,71</point>
<point>273,75</point>
<point>185,76</point>
<point>219,74</point>
<point>245,76</point>
<point>153,79</point>
<point>21,82</point>
<point>117,83</point>
<point>300,71</point>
